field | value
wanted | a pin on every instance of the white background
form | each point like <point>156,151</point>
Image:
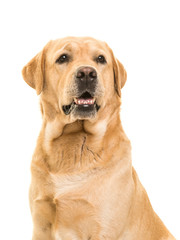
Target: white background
<point>145,37</point>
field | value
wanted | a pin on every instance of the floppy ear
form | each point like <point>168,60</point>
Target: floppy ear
<point>120,75</point>
<point>33,72</point>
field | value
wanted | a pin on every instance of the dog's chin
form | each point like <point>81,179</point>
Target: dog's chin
<point>83,107</point>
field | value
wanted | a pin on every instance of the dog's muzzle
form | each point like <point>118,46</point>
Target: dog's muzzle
<point>84,105</point>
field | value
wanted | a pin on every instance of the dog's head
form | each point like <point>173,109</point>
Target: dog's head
<point>77,77</point>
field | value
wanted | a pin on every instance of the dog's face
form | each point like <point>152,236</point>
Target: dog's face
<point>81,75</point>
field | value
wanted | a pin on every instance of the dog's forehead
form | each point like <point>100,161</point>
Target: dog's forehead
<point>77,43</point>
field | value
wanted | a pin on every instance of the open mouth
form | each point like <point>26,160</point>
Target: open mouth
<point>85,103</point>
<point>85,100</point>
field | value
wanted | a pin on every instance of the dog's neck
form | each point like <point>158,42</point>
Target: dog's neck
<point>82,144</point>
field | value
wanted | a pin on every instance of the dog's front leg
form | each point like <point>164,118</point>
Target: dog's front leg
<point>43,214</point>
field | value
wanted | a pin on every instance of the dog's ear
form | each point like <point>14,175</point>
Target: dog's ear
<point>33,72</point>
<point>123,75</point>
<point>120,75</point>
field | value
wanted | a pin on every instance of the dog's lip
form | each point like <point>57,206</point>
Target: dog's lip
<point>85,100</point>
<point>81,103</point>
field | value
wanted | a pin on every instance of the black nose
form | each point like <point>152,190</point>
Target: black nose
<point>86,74</point>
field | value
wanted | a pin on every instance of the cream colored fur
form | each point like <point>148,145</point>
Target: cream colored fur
<point>83,183</point>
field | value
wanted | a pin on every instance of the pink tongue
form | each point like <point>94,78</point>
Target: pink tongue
<point>85,101</point>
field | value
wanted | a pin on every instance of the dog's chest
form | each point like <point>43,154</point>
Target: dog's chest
<point>86,205</point>
<point>70,184</point>
<point>76,206</point>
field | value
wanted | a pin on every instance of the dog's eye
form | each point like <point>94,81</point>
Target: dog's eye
<point>101,59</point>
<point>63,58</point>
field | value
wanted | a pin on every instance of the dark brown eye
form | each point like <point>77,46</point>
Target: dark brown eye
<point>101,59</point>
<point>63,58</point>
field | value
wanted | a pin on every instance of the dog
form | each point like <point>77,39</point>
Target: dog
<point>83,184</point>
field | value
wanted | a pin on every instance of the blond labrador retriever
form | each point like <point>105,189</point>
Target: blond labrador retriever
<point>83,184</point>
